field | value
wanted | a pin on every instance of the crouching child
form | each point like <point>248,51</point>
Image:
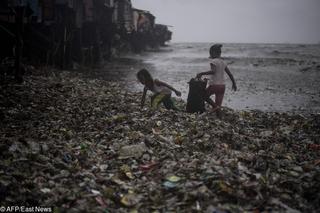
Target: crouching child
<point>161,91</point>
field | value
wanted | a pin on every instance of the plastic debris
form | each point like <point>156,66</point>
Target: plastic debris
<point>173,178</point>
<point>132,151</point>
<point>169,185</point>
<point>148,167</point>
<point>84,145</point>
<point>130,199</point>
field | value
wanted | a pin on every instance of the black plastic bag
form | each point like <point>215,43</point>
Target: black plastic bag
<point>196,95</point>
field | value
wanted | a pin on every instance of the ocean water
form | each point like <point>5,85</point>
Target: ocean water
<point>270,77</point>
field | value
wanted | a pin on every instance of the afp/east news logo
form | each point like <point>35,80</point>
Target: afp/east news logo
<point>25,209</point>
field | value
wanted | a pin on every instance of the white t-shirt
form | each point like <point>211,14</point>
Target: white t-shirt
<point>161,89</point>
<point>218,77</point>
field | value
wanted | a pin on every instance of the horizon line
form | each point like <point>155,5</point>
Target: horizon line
<point>239,42</point>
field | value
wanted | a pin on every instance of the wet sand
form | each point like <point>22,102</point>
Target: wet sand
<point>269,77</point>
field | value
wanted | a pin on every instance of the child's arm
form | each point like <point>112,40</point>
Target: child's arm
<point>211,72</point>
<point>161,83</point>
<point>234,86</point>
<point>143,97</point>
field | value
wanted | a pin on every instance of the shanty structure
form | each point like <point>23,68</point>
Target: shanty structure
<point>63,32</point>
<point>123,14</point>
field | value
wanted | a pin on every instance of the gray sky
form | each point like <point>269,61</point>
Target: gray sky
<point>252,21</point>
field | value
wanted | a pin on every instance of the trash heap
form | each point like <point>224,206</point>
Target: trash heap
<point>83,145</point>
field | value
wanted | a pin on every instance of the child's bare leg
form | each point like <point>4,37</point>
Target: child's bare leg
<point>218,91</point>
<point>210,101</point>
<point>215,107</point>
<point>210,91</point>
<point>218,101</point>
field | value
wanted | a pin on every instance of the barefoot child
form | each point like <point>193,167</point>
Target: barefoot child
<point>216,78</point>
<point>161,90</point>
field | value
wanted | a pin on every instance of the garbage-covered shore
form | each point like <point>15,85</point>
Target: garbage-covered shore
<point>83,145</point>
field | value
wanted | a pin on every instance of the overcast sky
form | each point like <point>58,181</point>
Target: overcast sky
<point>253,21</point>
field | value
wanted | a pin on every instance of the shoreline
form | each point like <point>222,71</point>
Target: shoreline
<point>66,143</point>
<point>266,84</point>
